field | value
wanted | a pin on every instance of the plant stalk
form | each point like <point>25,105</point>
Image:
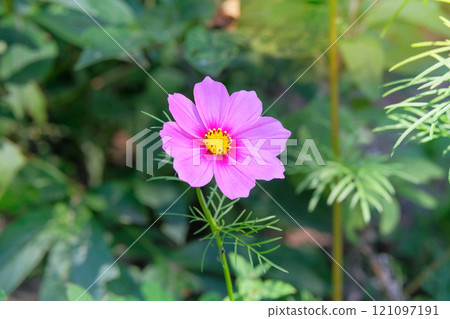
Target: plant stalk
<point>216,231</point>
<point>337,275</point>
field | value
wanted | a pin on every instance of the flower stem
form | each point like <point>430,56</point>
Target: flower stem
<point>337,276</point>
<point>216,231</point>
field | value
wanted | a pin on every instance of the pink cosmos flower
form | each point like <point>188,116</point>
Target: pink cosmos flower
<point>224,137</point>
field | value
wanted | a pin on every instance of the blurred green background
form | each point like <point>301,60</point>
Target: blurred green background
<point>71,97</point>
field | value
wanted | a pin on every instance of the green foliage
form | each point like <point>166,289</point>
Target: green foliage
<point>424,116</point>
<point>77,293</point>
<point>70,97</point>
<point>362,186</point>
<point>3,296</point>
<point>152,291</point>
<point>237,232</point>
<point>23,245</point>
<point>35,49</point>
<point>272,28</point>
<point>27,99</point>
<point>364,58</point>
<point>11,160</point>
<point>249,284</point>
<point>365,185</point>
<point>209,51</point>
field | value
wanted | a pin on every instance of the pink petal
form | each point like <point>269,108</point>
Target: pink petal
<point>175,139</point>
<point>231,181</point>
<point>265,167</point>
<point>194,172</point>
<point>186,115</point>
<point>267,131</point>
<point>189,160</point>
<point>245,109</point>
<point>212,101</point>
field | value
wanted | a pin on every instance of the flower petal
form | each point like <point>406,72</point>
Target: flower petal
<point>196,174</point>
<point>265,166</point>
<point>212,101</point>
<point>185,114</point>
<point>245,109</point>
<point>175,139</point>
<point>266,133</point>
<point>189,159</point>
<point>231,181</point>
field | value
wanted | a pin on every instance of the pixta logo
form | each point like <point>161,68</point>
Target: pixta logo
<point>144,146</point>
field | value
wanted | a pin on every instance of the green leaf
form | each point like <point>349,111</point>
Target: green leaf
<point>65,23</point>
<point>57,269</point>
<point>92,260</point>
<point>81,257</point>
<point>209,51</point>
<point>364,58</point>
<point>36,51</point>
<point>37,183</point>
<point>167,20</point>
<point>390,217</point>
<point>23,245</point>
<point>275,289</point>
<point>98,45</point>
<point>27,98</point>
<point>11,161</point>
<point>112,11</point>
<point>116,202</point>
<point>354,222</point>
<point>273,28</point>
<point>152,291</point>
<point>240,265</point>
<point>74,292</point>
<point>3,296</point>
<point>394,16</point>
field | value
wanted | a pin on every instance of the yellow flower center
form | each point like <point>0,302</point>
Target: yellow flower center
<point>217,142</point>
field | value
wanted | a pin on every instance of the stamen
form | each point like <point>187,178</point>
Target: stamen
<point>217,142</point>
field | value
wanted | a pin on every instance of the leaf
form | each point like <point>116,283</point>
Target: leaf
<point>81,257</point>
<point>118,203</point>
<point>3,296</point>
<point>210,296</point>
<point>273,28</point>
<point>11,161</point>
<point>394,16</point>
<point>125,284</point>
<point>23,245</point>
<point>36,51</point>
<point>275,289</point>
<point>240,265</point>
<point>152,291</point>
<point>112,11</point>
<point>37,183</point>
<point>64,23</point>
<point>209,51</point>
<point>74,292</point>
<point>423,170</point>
<point>169,19</point>
<point>354,221</point>
<point>92,260</point>
<point>57,269</point>
<point>94,159</point>
<point>27,98</point>
<point>390,217</point>
<point>364,58</point>
<point>98,45</point>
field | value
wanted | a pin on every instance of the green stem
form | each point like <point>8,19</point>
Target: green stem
<point>216,231</point>
<point>337,276</point>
